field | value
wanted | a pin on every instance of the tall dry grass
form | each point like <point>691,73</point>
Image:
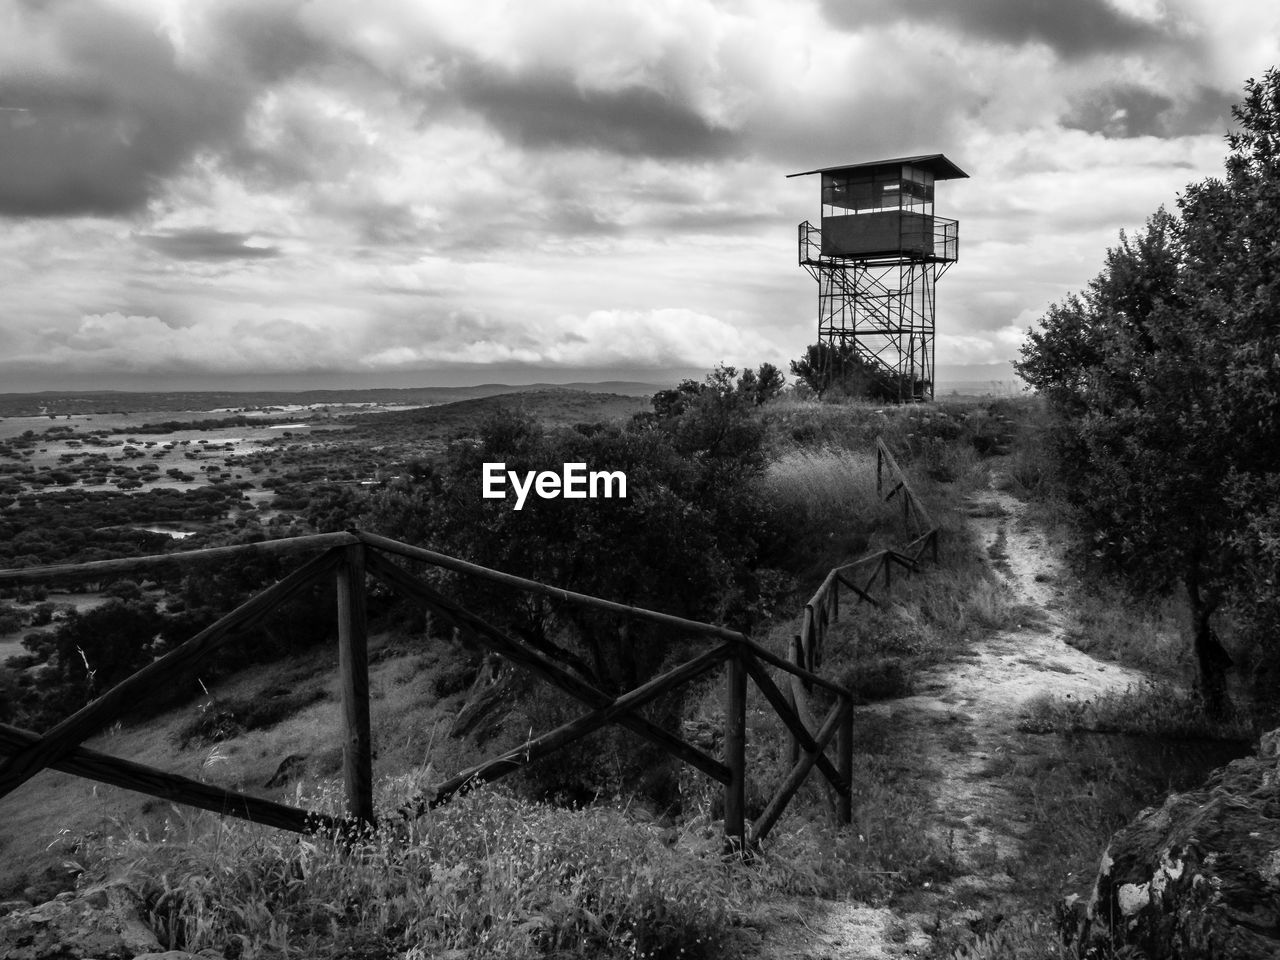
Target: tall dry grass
<point>824,503</point>
<point>829,485</point>
<point>488,874</point>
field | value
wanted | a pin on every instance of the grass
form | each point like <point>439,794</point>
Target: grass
<point>926,620</point>
<point>825,498</point>
<point>404,707</point>
<point>882,853</point>
<point>488,874</point>
<point>1109,623</point>
<point>1151,709</point>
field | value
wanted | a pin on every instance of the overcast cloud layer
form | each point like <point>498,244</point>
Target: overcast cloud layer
<point>399,193</point>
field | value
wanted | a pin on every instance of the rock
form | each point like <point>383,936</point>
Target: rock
<point>1199,876</point>
<point>65,929</point>
<point>291,768</point>
<point>51,882</point>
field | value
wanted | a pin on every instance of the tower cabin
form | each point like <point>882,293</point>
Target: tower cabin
<point>884,210</point>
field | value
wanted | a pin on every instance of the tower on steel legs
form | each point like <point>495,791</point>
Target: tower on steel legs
<point>877,259</point>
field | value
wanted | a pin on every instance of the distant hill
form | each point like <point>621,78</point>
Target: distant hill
<point>552,406</point>
<point>52,403</point>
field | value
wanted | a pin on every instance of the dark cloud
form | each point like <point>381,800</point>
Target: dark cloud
<point>206,245</point>
<point>1128,110</point>
<point>1072,29</point>
<point>99,131</point>
<point>546,109</point>
<point>118,113</point>
<point>270,42</point>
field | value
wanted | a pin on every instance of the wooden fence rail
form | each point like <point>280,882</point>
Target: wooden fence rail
<point>350,558</point>
<point>858,579</point>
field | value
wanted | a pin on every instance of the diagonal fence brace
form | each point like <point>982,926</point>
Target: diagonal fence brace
<point>127,774</point>
<point>65,736</point>
<point>764,823</point>
<point>778,700</point>
<point>489,636</point>
<point>567,733</point>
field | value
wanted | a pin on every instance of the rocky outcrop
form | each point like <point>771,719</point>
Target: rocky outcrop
<point>100,922</point>
<point>1199,876</point>
<point>97,923</point>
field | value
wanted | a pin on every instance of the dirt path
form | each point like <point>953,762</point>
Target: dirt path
<point>986,694</point>
<point>962,722</point>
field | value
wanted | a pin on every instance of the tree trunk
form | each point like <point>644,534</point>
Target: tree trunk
<point>1211,657</point>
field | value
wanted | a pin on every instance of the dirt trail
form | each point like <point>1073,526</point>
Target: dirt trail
<point>965,717</point>
<point>986,693</point>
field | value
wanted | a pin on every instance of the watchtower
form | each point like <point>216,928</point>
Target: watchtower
<point>877,258</point>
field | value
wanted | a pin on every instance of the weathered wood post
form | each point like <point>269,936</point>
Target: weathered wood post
<point>844,762</point>
<point>735,756</point>
<point>353,668</point>
<point>797,657</point>
<point>807,637</point>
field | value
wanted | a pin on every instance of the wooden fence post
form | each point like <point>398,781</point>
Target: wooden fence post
<point>797,657</point>
<point>353,668</point>
<point>844,764</point>
<point>807,638</point>
<point>735,740</point>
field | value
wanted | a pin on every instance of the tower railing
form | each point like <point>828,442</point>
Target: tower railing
<point>943,246</point>
<point>946,239</point>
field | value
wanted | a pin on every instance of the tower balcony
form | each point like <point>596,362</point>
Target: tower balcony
<point>884,236</point>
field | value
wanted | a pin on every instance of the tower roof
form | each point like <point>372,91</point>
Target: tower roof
<point>935,163</point>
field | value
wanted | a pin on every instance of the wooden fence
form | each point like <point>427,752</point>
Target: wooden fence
<point>858,578</point>
<point>348,559</point>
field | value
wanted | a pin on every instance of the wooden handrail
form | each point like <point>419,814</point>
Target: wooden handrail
<point>103,569</point>
<point>533,586</point>
<point>885,455</point>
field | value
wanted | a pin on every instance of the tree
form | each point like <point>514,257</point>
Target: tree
<point>1233,285</point>
<point>769,383</point>
<point>1165,374</point>
<point>839,368</point>
<point>817,368</point>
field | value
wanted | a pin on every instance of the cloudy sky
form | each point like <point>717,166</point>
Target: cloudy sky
<point>252,192</point>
